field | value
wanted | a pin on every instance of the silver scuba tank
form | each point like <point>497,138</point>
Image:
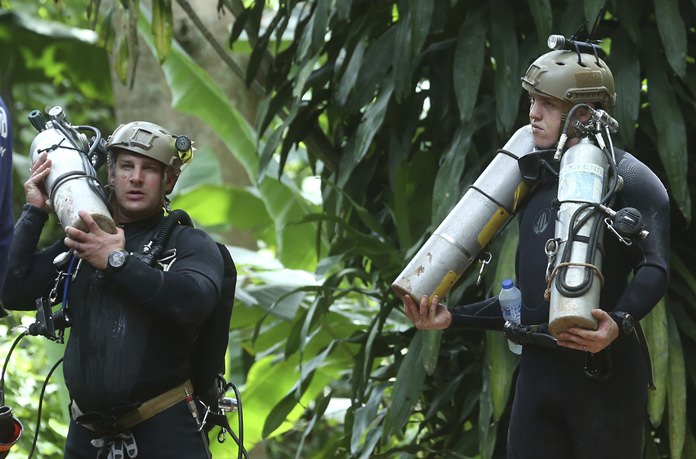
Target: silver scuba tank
<point>484,209</point>
<point>72,184</point>
<point>575,281</point>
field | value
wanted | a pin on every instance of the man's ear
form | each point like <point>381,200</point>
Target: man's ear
<point>170,178</point>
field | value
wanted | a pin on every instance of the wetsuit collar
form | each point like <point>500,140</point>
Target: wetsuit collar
<point>142,226</point>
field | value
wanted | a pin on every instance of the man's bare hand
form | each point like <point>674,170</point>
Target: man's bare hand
<point>34,189</point>
<point>95,245</point>
<point>591,340</point>
<point>427,315</point>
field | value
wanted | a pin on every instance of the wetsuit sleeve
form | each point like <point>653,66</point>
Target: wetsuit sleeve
<point>30,274</point>
<point>484,315</point>
<point>6,219</point>
<point>188,291</point>
<point>644,191</point>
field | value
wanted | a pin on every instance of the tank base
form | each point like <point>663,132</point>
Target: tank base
<point>561,324</point>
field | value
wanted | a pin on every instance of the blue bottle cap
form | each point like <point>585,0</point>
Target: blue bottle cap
<point>507,283</point>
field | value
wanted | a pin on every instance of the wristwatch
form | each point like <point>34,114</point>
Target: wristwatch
<point>625,322</point>
<point>116,260</point>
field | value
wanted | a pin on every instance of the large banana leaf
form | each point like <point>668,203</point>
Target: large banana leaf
<point>194,92</point>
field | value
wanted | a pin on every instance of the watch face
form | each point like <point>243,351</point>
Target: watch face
<point>117,258</point>
<point>628,323</point>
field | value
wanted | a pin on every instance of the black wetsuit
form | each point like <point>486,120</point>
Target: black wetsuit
<point>558,411</point>
<point>132,330</point>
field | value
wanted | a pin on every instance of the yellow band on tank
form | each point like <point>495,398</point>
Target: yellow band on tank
<point>501,215</point>
<point>520,193</point>
<point>445,285</point>
<point>494,223</point>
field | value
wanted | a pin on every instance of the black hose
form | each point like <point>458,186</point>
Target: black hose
<point>160,241</point>
<point>576,223</point>
<point>4,367</point>
<point>38,414</point>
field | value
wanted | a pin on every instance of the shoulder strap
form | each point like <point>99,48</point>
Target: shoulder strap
<point>159,242</point>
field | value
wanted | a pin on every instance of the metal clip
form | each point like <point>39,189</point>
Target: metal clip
<point>551,249</point>
<point>484,262</point>
<point>228,404</point>
<point>53,296</point>
<point>77,269</point>
<point>608,222</point>
<point>167,259</point>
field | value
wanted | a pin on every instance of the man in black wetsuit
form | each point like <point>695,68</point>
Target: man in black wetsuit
<point>127,361</point>
<point>558,410</point>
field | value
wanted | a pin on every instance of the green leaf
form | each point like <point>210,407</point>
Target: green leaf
<point>162,27</point>
<point>487,430</point>
<point>403,57</point>
<point>407,388</point>
<point>543,18</point>
<point>420,20</point>
<point>670,25</point>
<point>369,125</point>
<point>284,407</point>
<point>630,20</point>
<point>373,70</point>
<point>671,135</point>
<point>364,417</point>
<point>431,349</point>
<point>320,24</point>
<point>501,365</point>
<point>350,74</point>
<point>274,383</point>
<point>122,58</point>
<point>656,331</point>
<point>343,9</point>
<point>626,70</point>
<point>676,394</point>
<point>592,10</point>
<point>501,362</point>
<point>505,52</point>
<point>467,68</point>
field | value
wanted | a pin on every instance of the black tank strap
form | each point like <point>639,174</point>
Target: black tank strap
<point>151,252</point>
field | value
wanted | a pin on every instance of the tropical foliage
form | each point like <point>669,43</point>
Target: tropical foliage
<point>394,108</point>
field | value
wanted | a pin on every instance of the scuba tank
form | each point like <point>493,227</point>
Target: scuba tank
<point>72,184</point>
<point>483,210</point>
<point>576,279</point>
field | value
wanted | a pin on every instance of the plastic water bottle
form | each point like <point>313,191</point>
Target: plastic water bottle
<point>510,299</point>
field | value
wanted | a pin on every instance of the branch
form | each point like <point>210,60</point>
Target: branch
<point>226,58</point>
<point>315,140</point>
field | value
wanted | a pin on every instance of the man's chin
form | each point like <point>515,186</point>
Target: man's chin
<point>543,144</point>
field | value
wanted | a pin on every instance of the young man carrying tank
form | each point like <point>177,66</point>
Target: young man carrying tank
<point>559,410</point>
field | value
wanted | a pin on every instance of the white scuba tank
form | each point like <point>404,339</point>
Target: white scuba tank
<point>582,179</point>
<point>72,184</point>
<point>483,210</point>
